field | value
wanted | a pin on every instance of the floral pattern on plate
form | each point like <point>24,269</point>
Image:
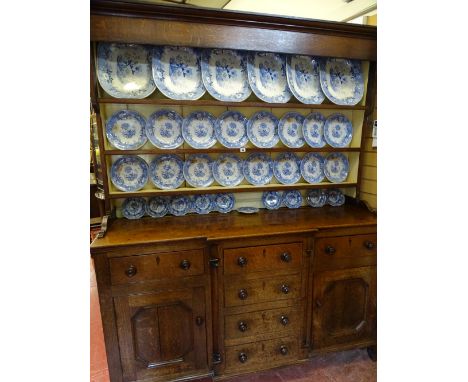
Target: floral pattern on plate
<point>198,129</point>
<point>262,129</point>
<point>224,202</point>
<point>335,197</point>
<point>303,77</point>
<point>124,70</point>
<point>312,130</point>
<point>166,171</point>
<point>312,168</point>
<point>231,129</point>
<point>224,74</point>
<point>125,130</point>
<point>338,130</point>
<point>203,204</point>
<point>258,169</point>
<point>290,129</point>
<point>164,129</point>
<point>292,199</point>
<point>336,167</point>
<point>198,170</point>
<point>129,173</point>
<point>157,206</point>
<point>272,200</point>
<point>267,77</point>
<point>134,208</point>
<point>176,72</point>
<point>286,168</point>
<point>341,80</point>
<point>227,170</point>
<point>179,205</point>
<point>317,198</point>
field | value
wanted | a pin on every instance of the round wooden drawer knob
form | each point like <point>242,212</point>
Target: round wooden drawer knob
<point>242,261</point>
<point>283,350</point>
<point>242,357</point>
<point>131,271</point>
<point>369,244</point>
<point>285,289</point>
<point>284,320</point>
<point>329,250</point>
<point>185,265</point>
<point>286,257</point>
<point>243,294</point>
<point>242,326</point>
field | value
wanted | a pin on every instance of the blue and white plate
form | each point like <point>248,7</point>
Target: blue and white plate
<point>198,129</point>
<point>126,130</point>
<point>312,168</point>
<point>129,173</point>
<point>198,170</point>
<point>286,168</point>
<point>124,70</point>
<point>336,198</point>
<point>267,77</point>
<point>336,167</point>
<point>290,129</point>
<point>134,208</point>
<point>317,198</point>
<point>292,199</point>
<point>224,202</point>
<point>157,206</point>
<point>272,200</point>
<point>312,130</point>
<point>227,170</point>
<point>224,74</point>
<point>180,205</point>
<point>341,80</point>
<point>164,129</point>
<point>166,171</point>
<point>231,129</point>
<point>248,210</point>
<point>176,72</point>
<point>262,129</point>
<point>304,79</point>
<point>338,130</point>
<point>258,169</point>
<point>203,204</point>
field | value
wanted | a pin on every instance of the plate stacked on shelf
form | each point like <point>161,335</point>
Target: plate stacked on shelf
<point>164,129</point>
<point>126,130</point>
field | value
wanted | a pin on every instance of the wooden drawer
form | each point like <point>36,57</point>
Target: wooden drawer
<point>162,265</point>
<point>279,321</point>
<point>261,258</point>
<point>244,292</point>
<point>345,251</point>
<point>261,354</point>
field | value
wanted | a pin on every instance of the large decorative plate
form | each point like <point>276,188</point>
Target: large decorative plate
<point>203,204</point>
<point>198,129</point>
<point>267,77</point>
<point>272,200</point>
<point>124,70</point>
<point>336,198</point>
<point>224,202</point>
<point>198,170</point>
<point>262,129</point>
<point>336,167</point>
<point>286,168</point>
<point>231,129</point>
<point>341,80</point>
<point>258,169</point>
<point>126,130</point>
<point>176,72</point>
<point>134,208</point>
<point>292,199</point>
<point>224,74</point>
<point>338,130</point>
<point>166,171</point>
<point>290,129</point>
<point>317,198</point>
<point>180,205</point>
<point>164,129</point>
<point>227,170</point>
<point>303,77</point>
<point>312,168</point>
<point>312,130</point>
<point>157,206</point>
<point>129,173</point>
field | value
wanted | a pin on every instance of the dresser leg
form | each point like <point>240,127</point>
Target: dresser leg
<point>372,352</point>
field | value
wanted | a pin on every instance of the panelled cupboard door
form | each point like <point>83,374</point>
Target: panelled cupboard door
<point>344,307</point>
<point>162,333</point>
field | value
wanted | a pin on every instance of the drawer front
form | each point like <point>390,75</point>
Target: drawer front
<point>250,324</point>
<point>261,354</point>
<point>162,265</point>
<point>260,258</point>
<point>354,250</point>
<point>245,292</point>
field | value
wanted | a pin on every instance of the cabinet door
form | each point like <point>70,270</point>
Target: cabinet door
<point>344,307</point>
<point>162,333</point>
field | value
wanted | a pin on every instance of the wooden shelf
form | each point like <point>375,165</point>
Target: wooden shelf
<point>221,189</point>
